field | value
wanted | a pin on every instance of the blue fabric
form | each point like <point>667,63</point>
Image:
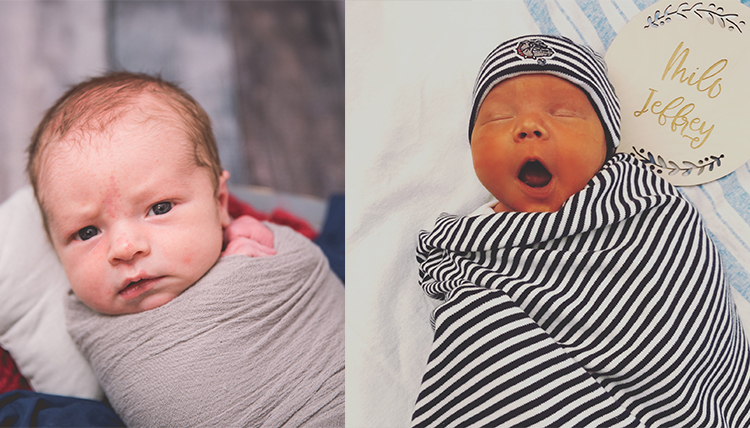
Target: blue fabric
<point>331,238</point>
<point>593,10</point>
<point>597,17</point>
<point>29,408</point>
<point>642,4</point>
<point>539,12</point>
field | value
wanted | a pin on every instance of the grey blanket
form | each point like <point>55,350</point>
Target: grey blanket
<point>255,342</point>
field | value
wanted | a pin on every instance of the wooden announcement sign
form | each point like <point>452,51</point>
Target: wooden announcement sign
<point>682,73</point>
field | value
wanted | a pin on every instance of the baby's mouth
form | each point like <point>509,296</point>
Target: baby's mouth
<point>136,283</point>
<point>534,174</point>
<point>130,286</point>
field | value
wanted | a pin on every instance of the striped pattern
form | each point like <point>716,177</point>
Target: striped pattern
<point>723,204</point>
<point>612,311</point>
<point>575,63</point>
<point>725,208</point>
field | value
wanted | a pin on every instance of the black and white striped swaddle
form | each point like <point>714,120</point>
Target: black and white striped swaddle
<point>612,311</point>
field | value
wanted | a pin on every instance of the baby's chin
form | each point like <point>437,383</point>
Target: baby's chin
<point>529,205</point>
<point>532,208</point>
<point>120,307</point>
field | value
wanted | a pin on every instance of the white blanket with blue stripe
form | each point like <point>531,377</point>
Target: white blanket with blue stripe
<point>613,311</point>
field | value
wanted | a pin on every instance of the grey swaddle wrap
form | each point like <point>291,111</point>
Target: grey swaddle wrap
<point>255,342</point>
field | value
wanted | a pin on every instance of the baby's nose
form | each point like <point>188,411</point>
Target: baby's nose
<point>126,245</point>
<point>535,133</point>
<point>530,126</point>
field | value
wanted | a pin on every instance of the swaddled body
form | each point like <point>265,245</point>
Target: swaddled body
<point>255,342</point>
<point>181,327</point>
<point>589,293</point>
<point>613,311</point>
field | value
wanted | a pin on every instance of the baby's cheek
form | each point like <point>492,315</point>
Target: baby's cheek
<point>90,290</point>
<point>86,271</point>
<point>203,248</point>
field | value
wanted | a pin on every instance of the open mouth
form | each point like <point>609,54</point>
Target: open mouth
<point>136,287</point>
<point>131,285</point>
<point>534,174</point>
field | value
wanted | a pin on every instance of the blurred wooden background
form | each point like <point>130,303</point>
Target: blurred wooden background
<point>269,73</point>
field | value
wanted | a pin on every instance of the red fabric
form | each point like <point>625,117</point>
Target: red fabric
<point>239,208</point>
<point>10,378</point>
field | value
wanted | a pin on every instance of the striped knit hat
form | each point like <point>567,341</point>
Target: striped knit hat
<point>560,57</point>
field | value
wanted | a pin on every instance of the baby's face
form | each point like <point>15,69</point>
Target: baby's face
<point>133,219</point>
<point>536,142</point>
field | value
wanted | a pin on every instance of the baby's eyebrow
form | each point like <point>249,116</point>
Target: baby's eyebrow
<point>498,107</point>
<point>70,221</point>
<point>58,232</point>
<point>564,105</point>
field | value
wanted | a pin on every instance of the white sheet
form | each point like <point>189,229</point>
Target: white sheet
<point>410,68</point>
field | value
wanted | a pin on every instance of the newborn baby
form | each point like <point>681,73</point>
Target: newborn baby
<point>537,141</point>
<point>587,293</point>
<point>134,200</point>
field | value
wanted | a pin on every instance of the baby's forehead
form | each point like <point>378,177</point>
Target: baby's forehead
<point>116,152</point>
<point>98,109</point>
<point>535,90</point>
<point>146,115</point>
<point>145,110</point>
<point>542,79</point>
<point>148,108</point>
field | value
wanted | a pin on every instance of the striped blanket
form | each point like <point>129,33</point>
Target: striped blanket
<point>612,311</point>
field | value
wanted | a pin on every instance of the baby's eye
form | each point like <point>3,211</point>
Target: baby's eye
<point>502,115</point>
<point>160,208</point>
<point>87,233</point>
<point>564,112</point>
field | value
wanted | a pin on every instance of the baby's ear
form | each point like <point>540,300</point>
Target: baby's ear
<point>222,195</point>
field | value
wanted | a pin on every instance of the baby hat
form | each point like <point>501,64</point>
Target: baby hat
<point>560,57</point>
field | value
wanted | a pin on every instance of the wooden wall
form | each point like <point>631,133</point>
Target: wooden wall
<point>270,74</point>
<point>290,69</point>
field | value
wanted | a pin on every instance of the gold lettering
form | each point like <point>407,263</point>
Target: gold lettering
<point>662,116</point>
<point>682,116</point>
<point>703,83</point>
<point>676,113</point>
<point>700,130</point>
<point>645,106</point>
<point>682,56</point>
<point>715,84</point>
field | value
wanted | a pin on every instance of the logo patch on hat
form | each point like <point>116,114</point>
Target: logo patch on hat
<point>534,49</point>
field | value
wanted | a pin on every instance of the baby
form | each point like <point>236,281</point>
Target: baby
<point>587,293</point>
<point>537,130</point>
<point>126,172</point>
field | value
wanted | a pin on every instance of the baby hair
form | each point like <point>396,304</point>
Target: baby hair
<point>93,105</point>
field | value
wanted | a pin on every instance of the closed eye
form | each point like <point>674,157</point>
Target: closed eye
<point>565,112</point>
<point>160,208</point>
<point>508,117</point>
<point>501,115</point>
<point>494,113</point>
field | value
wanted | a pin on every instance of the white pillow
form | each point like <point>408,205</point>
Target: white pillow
<point>32,322</point>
